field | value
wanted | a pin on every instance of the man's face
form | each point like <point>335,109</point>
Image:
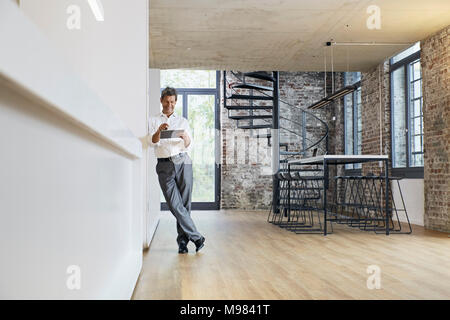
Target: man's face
<point>168,104</point>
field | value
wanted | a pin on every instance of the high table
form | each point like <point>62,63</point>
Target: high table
<point>329,159</point>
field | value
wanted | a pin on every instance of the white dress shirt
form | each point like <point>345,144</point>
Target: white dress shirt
<point>165,148</point>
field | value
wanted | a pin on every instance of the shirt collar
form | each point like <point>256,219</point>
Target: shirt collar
<point>161,114</point>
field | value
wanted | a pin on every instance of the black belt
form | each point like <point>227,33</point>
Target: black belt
<point>172,158</point>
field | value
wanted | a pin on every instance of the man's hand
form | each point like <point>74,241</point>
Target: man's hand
<point>163,126</point>
<point>157,135</point>
<point>186,139</point>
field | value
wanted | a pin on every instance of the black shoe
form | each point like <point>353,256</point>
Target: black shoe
<point>199,244</point>
<point>182,248</point>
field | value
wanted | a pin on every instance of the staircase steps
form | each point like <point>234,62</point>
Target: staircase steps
<point>307,183</point>
<point>260,75</point>
<point>246,117</point>
<point>258,126</point>
<point>251,86</point>
<point>302,188</point>
<point>249,97</point>
<point>249,107</point>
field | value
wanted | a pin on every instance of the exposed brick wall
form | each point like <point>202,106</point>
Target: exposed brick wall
<point>246,181</point>
<point>337,134</point>
<point>435,61</point>
<point>301,89</point>
<point>246,161</point>
<point>337,143</point>
<point>376,119</point>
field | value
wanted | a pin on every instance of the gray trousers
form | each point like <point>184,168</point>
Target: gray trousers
<point>176,178</point>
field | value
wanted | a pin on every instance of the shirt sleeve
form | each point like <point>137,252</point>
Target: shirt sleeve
<point>152,129</point>
<point>188,130</point>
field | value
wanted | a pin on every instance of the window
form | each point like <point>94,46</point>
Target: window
<point>406,53</point>
<point>198,92</point>
<point>352,118</point>
<point>198,79</point>
<point>406,113</point>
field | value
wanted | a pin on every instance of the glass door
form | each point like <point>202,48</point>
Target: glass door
<point>201,107</point>
<point>202,120</point>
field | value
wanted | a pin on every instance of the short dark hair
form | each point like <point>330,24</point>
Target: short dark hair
<point>169,91</point>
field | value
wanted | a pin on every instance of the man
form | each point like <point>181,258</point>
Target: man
<point>174,168</point>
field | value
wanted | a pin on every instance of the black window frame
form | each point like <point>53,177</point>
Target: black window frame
<point>407,172</point>
<point>353,171</point>
<point>218,166</point>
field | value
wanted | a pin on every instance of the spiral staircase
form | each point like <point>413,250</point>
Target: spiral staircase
<point>252,100</point>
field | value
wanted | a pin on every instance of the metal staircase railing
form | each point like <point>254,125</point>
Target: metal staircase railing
<point>253,98</point>
<point>265,112</point>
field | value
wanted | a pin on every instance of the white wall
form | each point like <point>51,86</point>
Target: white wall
<point>110,56</point>
<point>413,195</point>
<point>154,193</point>
<point>66,196</point>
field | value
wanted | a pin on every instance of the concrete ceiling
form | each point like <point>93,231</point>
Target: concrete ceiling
<point>286,35</point>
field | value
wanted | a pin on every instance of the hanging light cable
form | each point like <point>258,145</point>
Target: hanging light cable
<point>325,63</point>
<point>334,94</point>
<point>334,43</point>
<point>347,59</point>
<point>332,71</point>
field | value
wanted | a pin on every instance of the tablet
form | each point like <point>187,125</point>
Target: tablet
<point>168,134</point>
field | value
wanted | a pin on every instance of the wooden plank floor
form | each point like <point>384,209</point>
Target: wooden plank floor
<point>246,257</point>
